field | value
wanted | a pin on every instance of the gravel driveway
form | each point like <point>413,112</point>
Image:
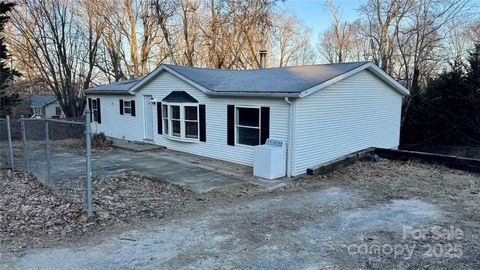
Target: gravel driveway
<point>389,215</point>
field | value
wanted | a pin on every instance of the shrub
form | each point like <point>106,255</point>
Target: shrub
<point>100,141</point>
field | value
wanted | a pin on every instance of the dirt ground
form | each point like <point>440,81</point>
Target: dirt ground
<point>383,215</point>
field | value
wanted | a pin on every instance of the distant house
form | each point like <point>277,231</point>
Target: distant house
<point>45,106</point>
<point>321,112</point>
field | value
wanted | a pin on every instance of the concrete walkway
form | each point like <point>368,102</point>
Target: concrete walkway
<point>136,146</point>
<point>166,165</point>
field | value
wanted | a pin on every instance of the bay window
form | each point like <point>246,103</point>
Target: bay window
<point>180,120</point>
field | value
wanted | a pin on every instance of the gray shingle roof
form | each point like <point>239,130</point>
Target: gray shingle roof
<point>120,87</point>
<point>285,81</point>
<point>42,100</point>
<point>269,80</point>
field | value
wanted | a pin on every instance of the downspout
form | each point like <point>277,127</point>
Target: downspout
<point>290,137</point>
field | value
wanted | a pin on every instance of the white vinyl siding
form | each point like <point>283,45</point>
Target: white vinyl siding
<point>356,113</point>
<point>116,125</point>
<point>51,110</point>
<point>216,120</point>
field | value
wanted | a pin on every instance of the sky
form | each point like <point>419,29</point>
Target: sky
<point>314,14</point>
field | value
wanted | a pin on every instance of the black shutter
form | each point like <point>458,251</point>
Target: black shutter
<point>159,118</point>
<point>121,106</point>
<point>90,108</point>
<point>99,112</point>
<point>264,124</point>
<point>203,127</point>
<point>132,103</point>
<point>230,124</point>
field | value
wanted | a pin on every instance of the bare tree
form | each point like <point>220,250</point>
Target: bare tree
<point>359,48</point>
<point>340,30</point>
<point>56,44</point>
<point>383,19</point>
<point>289,39</point>
<point>190,26</point>
<point>417,42</point>
<point>164,11</point>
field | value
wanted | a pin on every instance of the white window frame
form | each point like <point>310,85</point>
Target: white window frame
<point>168,129</point>
<point>237,125</point>
<point>38,110</point>
<point>165,118</point>
<point>125,107</point>
<point>179,120</point>
<point>197,120</point>
<point>94,110</point>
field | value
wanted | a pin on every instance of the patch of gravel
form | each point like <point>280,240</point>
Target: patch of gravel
<point>399,180</point>
<point>454,191</point>
<point>31,215</point>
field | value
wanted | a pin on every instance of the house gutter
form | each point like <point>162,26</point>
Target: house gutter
<point>107,92</point>
<point>253,94</point>
<point>290,137</point>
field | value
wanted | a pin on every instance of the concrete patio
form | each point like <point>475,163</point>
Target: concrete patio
<point>199,173</point>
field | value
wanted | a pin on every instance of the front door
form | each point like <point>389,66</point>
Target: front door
<point>148,117</point>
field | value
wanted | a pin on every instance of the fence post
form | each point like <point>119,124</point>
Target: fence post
<point>24,139</point>
<point>10,146</point>
<point>88,142</point>
<point>47,145</point>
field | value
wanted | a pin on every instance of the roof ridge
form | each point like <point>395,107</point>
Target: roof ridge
<point>270,68</point>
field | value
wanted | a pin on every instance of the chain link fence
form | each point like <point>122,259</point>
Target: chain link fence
<point>5,158</point>
<point>57,152</point>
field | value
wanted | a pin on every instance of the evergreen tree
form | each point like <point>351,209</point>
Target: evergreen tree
<point>473,81</point>
<point>447,111</point>
<point>474,70</point>
<point>7,100</point>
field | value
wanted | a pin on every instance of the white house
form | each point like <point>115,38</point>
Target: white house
<point>46,106</point>
<point>320,111</point>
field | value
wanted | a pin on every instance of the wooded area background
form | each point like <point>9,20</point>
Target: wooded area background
<point>64,46</point>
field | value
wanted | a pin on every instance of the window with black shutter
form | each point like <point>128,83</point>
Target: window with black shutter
<point>159,118</point>
<point>127,107</point>
<point>90,108</point>
<point>121,106</point>
<point>99,112</point>
<point>203,123</point>
<point>247,125</point>
<point>94,110</point>
<point>230,124</point>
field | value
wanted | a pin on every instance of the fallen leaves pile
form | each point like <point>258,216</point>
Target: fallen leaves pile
<point>33,215</point>
<point>127,196</point>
